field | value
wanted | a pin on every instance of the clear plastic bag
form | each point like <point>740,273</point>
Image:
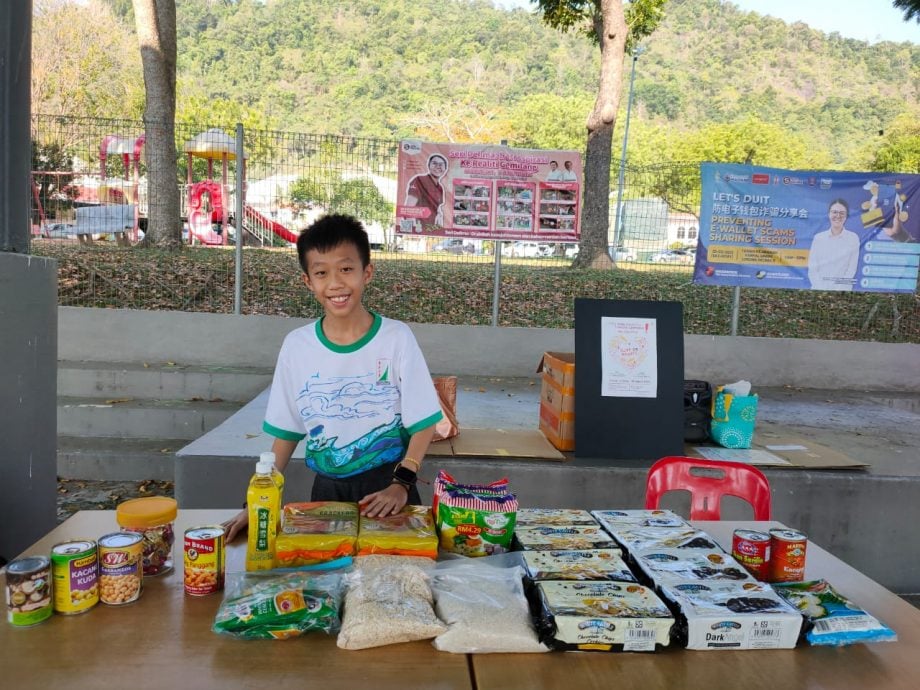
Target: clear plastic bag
<point>276,605</point>
<point>388,601</point>
<point>483,603</point>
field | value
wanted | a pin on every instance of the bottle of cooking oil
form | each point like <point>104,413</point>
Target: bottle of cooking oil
<point>263,500</point>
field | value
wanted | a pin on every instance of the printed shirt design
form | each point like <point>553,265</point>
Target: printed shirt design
<point>355,406</point>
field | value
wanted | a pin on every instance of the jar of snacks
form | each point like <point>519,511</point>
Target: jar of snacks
<point>153,517</point>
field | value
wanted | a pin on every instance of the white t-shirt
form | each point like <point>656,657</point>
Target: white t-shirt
<point>832,260</point>
<point>356,405</point>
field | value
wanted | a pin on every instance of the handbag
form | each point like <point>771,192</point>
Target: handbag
<point>448,427</point>
<point>733,419</point>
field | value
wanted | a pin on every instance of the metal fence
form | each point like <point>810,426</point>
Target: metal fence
<point>85,170</point>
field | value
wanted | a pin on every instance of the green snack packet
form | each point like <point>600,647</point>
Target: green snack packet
<point>272,606</point>
<point>474,525</point>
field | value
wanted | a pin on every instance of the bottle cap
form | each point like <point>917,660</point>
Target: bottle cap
<point>264,466</point>
<point>268,457</point>
<point>150,511</point>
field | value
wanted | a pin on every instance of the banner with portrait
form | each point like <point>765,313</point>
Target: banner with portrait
<point>818,230</point>
<point>488,192</point>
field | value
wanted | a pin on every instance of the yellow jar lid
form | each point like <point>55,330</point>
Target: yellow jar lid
<point>151,511</point>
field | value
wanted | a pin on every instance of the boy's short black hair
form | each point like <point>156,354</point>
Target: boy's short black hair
<point>328,232</point>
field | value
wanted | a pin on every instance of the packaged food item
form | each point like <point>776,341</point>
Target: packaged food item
<point>267,605</point>
<point>586,564</point>
<point>263,501</point>
<point>388,601</point>
<point>205,560</point>
<point>445,481</point>
<point>563,538</point>
<point>732,615</point>
<point>752,550</point>
<point>410,532</point>
<point>831,618</point>
<point>152,516</point>
<point>644,538</point>
<point>75,576</point>
<point>484,608</point>
<point>544,517</point>
<point>670,564</point>
<point>602,616</point>
<point>639,518</point>
<point>787,555</point>
<point>472,524</point>
<point>314,532</point>
<point>121,567</point>
<point>28,591</point>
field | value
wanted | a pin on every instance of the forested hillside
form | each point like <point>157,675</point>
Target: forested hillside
<point>464,70</point>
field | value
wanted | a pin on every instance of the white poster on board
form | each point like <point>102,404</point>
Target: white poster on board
<point>629,357</point>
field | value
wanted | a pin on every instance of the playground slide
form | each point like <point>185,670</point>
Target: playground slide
<point>258,223</point>
<point>199,225</point>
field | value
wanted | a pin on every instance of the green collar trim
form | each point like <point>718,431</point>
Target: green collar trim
<point>355,346</point>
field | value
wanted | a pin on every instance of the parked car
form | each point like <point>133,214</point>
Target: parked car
<point>527,250</point>
<point>673,256</point>
<point>622,254</point>
<point>455,245</point>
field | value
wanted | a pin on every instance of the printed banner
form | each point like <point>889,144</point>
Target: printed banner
<point>488,192</point>
<point>818,230</point>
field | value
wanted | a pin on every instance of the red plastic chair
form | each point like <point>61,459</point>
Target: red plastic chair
<point>707,481</point>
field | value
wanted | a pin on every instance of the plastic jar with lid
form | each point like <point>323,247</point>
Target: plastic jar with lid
<point>153,517</point>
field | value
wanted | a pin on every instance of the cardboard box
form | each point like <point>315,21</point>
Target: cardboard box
<point>557,399</point>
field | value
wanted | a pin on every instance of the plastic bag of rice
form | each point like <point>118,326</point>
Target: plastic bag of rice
<point>388,601</point>
<point>485,609</point>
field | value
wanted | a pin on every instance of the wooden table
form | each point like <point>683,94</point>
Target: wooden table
<point>164,641</point>
<point>888,665</point>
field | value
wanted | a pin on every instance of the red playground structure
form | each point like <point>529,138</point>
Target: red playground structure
<point>209,201</point>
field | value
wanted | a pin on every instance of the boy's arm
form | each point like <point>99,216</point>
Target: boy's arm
<point>283,451</point>
<point>392,499</point>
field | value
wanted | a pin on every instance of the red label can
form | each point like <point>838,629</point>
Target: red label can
<point>752,550</point>
<point>204,560</point>
<point>787,555</point>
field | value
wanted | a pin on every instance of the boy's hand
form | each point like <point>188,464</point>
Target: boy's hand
<point>235,525</point>
<point>383,503</point>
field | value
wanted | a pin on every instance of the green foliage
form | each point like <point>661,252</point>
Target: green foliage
<point>900,150</point>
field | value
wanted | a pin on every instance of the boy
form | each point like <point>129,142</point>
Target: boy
<point>353,383</point>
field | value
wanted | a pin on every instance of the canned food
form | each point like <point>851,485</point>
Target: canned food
<point>787,555</point>
<point>28,591</point>
<point>121,558</point>
<point>204,560</point>
<point>75,573</point>
<point>752,550</point>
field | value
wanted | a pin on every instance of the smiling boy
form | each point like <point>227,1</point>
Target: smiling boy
<point>354,385</point>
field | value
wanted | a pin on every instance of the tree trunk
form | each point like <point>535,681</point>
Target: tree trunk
<point>611,29</point>
<point>156,30</point>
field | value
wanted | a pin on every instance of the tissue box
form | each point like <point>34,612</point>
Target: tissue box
<point>733,418</point>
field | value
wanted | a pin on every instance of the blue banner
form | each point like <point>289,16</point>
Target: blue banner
<point>818,230</point>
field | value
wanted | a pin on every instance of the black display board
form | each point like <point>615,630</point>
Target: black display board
<point>629,428</point>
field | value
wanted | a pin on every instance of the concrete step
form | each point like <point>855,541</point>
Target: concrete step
<point>116,459</point>
<point>160,380</point>
<point>140,418</point>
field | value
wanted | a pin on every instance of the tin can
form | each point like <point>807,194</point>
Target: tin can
<point>28,591</point>
<point>204,560</point>
<point>752,550</point>
<point>787,555</point>
<point>75,573</point>
<point>121,560</point>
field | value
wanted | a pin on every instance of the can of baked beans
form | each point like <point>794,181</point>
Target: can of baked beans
<point>752,550</point>
<point>787,555</point>
<point>75,573</point>
<point>204,560</point>
<point>121,567</point>
<point>28,591</point>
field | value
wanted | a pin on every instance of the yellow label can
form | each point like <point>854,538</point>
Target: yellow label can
<point>75,574</point>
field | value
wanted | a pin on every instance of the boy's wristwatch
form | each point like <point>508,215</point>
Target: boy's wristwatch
<point>405,477</point>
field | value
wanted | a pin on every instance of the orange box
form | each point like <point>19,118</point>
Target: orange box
<point>557,399</point>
